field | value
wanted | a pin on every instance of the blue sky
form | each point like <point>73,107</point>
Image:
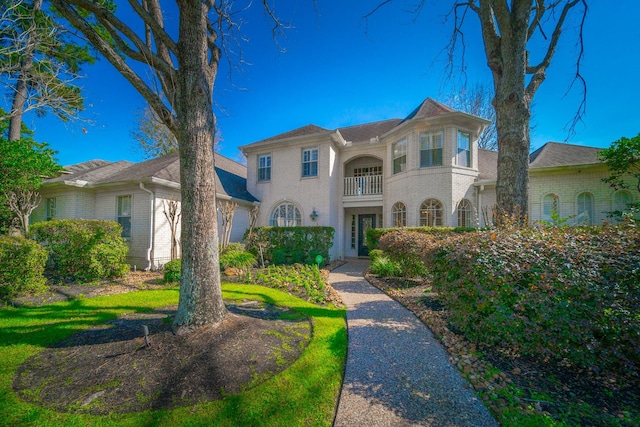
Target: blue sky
<point>336,71</point>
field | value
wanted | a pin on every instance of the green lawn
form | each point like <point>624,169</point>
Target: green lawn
<point>304,394</point>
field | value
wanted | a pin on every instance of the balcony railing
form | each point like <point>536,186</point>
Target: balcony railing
<point>363,185</point>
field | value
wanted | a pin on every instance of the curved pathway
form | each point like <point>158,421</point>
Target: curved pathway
<point>397,373</point>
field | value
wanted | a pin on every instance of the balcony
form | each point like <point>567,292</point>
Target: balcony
<point>363,185</point>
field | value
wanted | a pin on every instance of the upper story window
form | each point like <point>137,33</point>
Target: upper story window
<point>464,213</point>
<point>309,162</point>
<point>464,149</point>
<point>51,210</point>
<point>585,209</point>
<point>399,214</point>
<point>264,167</point>
<point>431,213</point>
<point>124,215</point>
<point>285,215</point>
<point>431,149</point>
<point>399,151</point>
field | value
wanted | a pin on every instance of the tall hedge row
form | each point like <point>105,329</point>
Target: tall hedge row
<point>290,245</point>
<point>22,263</point>
<point>83,250</point>
<point>561,293</point>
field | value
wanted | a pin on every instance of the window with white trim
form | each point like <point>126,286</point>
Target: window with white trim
<point>621,201</point>
<point>464,149</point>
<point>550,206</point>
<point>465,212</point>
<point>50,207</point>
<point>309,162</point>
<point>431,213</point>
<point>285,215</point>
<point>264,167</point>
<point>124,215</point>
<point>399,152</point>
<point>399,215</point>
<point>585,209</point>
<point>431,149</point>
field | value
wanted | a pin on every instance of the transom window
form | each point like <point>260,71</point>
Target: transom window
<point>124,215</point>
<point>399,150</point>
<point>585,209</point>
<point>399,214</point>
<point>264,167</point>
<point>431,213</point>
<point>431,149</point>
<point>367,171</point>
<point>285,215</point>
<point>464,213</point>
<point>464,149</point>
<point>51,210</point>
<point>310,162</point>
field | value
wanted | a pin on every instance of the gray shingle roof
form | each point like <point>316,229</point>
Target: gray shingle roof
<point>487,164</point>
<point>428,108</point>
<point>364,133</point>
<point>554,154</point>
<point>302,131</point>
<point>231,177</point>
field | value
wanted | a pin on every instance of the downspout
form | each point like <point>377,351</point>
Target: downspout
<point>152,220</point>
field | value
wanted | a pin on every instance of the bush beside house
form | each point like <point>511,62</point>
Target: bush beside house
<point>568,294</point>
<point>83,250</point>
<point>22,263</point>
<point>290,245</point>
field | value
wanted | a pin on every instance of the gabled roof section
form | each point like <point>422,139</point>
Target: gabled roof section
<point>302,131</point>
<point>361,133</point>
<point>231,177</point>
<point>555,154</point>
<point>91,171</point>
<point>428,108</point>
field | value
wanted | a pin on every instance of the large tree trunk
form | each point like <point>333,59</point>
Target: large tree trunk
<point>20,94</point>
<point>200,292</point>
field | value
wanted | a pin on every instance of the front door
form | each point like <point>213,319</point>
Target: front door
<point>365,222</point>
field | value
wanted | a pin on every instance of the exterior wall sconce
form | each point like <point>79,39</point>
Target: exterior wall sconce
<point>313,215</point>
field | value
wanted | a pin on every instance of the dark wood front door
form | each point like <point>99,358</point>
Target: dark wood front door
<point>365,222</point>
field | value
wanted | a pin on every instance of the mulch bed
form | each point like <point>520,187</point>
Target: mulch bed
<point>109,368</point>
<point>564,387</point>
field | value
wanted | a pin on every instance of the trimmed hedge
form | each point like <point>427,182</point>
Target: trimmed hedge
<point>290,245</point>
<point>566,294</point>
<point>22,263</point>
<point>83,250</point>
<point>172,271</point>
<point>373,235</point>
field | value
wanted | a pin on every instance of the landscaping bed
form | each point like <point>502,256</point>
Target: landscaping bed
<point>520,390</point>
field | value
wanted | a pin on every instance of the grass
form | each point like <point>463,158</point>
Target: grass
<point>304,394</point>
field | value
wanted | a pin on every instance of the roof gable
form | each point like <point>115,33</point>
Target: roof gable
<point>310,129</point>
<point>554,154</point>
<point>428,108</point>
<point>365,132</point>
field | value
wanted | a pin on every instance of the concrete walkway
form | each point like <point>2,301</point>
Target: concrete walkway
<point>397,373</point>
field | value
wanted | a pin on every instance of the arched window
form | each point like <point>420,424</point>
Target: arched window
<point>399,215</point>
<point>464,213</point>
<point>550,206</point>
<point>585,209</point>
<point>621,200</point>
<point>285,215</point>
<point>431,213</point>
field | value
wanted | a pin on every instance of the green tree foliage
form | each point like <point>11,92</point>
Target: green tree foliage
<point>623,160</point>
<point>40,61</point>
<point>23,165</point>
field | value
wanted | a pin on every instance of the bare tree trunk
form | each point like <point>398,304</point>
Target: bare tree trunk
<point>200,291</point>
<point>20,95</point>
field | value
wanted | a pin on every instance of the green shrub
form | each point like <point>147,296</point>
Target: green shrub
<point>553,293</point>
<point>237,259</point>
<point>83,250</point>
<point>22,264</point>
<point>385,267</point>
<point>375,254</point>
<point>172,271</point>
<point>291,245</point>
<point>304,281</point>
<point>233,247</point>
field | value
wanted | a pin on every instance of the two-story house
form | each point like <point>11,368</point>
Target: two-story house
<point>419,170</point>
